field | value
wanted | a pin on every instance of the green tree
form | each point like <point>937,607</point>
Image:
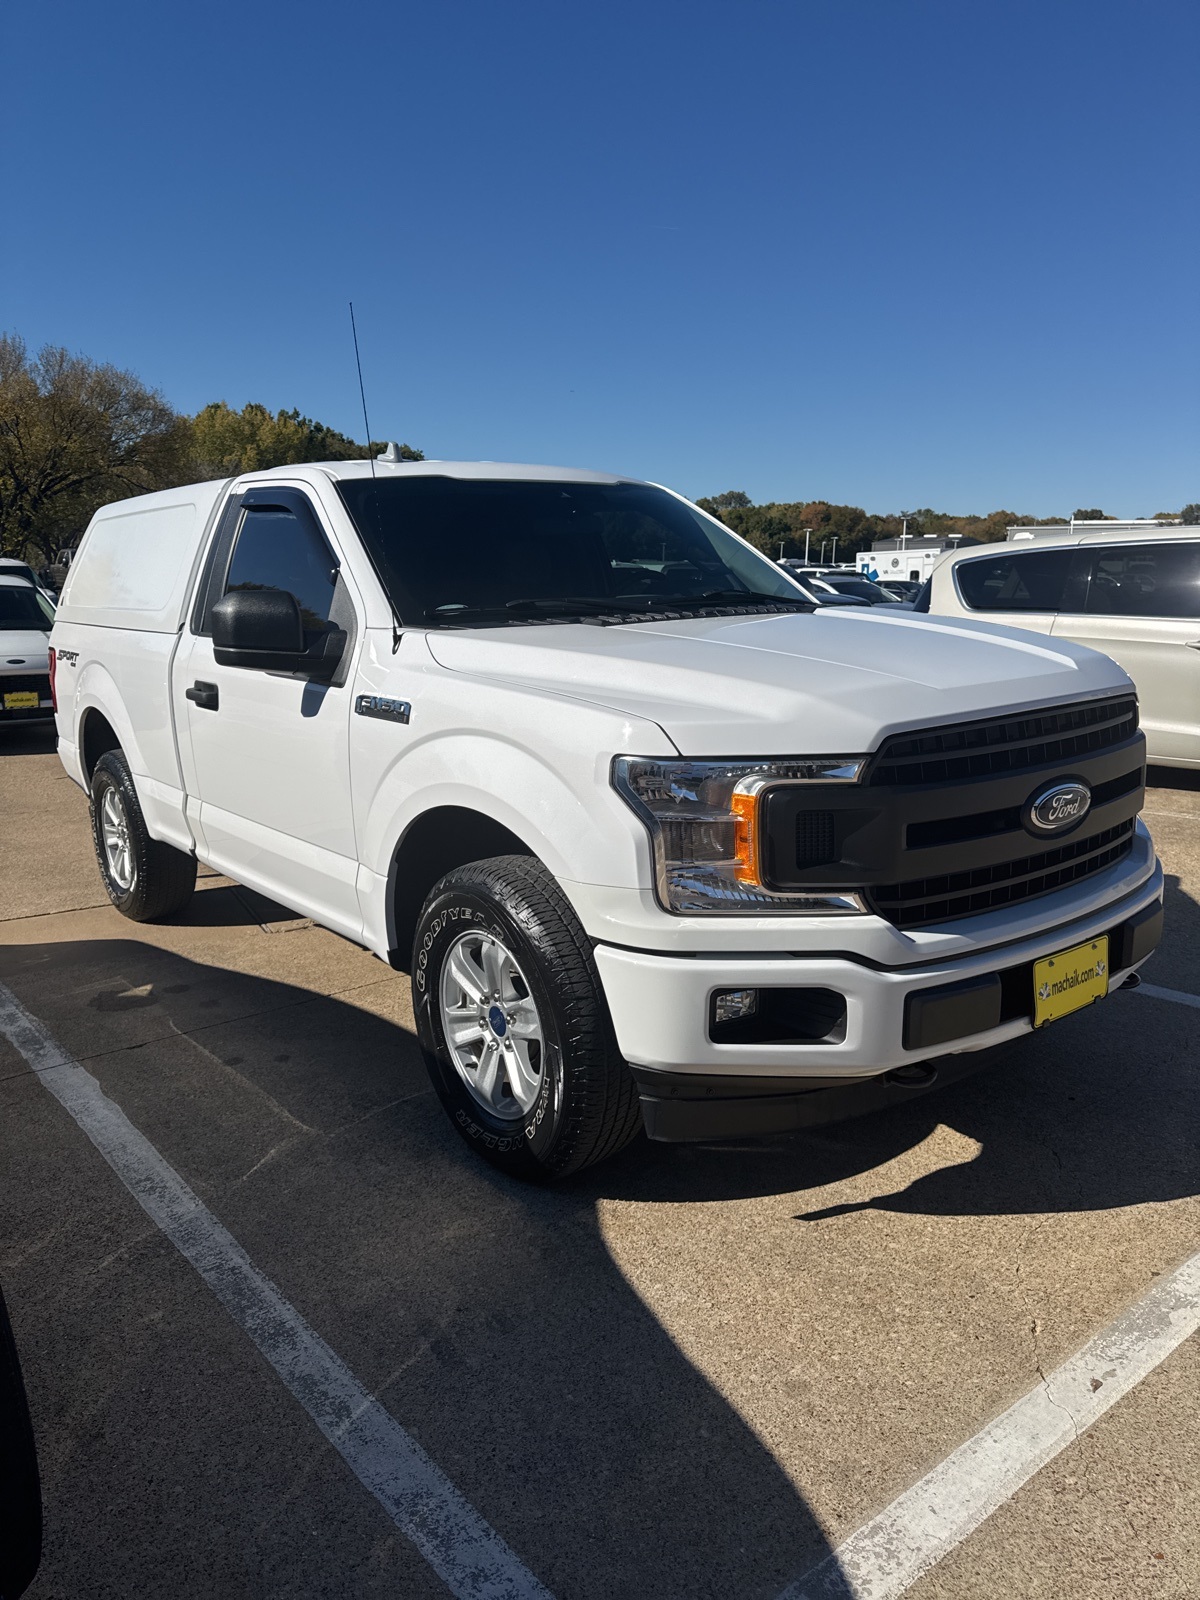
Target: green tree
<point>225,442</point>
<point>1095,515</point>
<point>75,433</point>
<point>1191,515</point>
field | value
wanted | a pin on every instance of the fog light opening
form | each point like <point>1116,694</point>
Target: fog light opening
<point>777,1016</point>
<point>730,1004</point>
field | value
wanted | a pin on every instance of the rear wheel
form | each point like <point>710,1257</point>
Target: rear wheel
<point>146,880</point>
<point>514,1025</point>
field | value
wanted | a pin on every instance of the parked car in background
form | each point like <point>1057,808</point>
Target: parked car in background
<point>901,589</point>
<point>842,581</point>
<point>817,590</point>
<point>26,617</point>
<point>10,566</point>
<point>800,569</point>
<point>859,588</point>
<point>1136,597</point>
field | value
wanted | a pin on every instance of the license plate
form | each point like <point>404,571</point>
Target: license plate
<point>1070,981</point>
<point>21,700</point>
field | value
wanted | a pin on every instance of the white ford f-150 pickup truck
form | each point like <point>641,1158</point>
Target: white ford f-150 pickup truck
<point>658,843</point>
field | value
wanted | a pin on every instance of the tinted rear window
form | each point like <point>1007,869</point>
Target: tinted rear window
<point>1033,580</point>
<point>1149,580</point>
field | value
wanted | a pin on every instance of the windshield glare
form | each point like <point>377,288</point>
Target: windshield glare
<point>449,545</point>
<point>23,609</point>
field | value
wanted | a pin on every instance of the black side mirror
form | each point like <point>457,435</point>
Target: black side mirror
<point>262,629</point>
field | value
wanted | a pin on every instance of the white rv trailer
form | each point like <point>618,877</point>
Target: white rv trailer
<point>911,558</point>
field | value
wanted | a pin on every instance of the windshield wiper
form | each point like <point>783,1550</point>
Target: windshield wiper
<point>569,607</point>
<point>630,607</point>
<point>749,597</point>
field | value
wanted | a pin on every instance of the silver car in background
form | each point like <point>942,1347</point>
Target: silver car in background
<point>1134,596</point>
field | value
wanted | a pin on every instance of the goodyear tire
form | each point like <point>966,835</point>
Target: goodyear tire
<point>146,880</point>
<point>513,1022</point>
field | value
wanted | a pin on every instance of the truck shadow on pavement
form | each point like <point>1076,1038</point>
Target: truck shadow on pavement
<point>489,1317</point>
<point>486,1315</point>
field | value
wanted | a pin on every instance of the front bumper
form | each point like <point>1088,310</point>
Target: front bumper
<point>661,1009</point>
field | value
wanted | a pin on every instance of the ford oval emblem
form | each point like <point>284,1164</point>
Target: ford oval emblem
<point>1058,808</point>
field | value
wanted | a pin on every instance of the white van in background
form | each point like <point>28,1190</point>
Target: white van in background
<point>1136,597</point>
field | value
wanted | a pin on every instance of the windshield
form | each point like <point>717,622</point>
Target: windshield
<point>23,609</point>
<point>455,551</point>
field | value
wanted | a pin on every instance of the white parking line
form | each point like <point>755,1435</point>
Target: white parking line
<point>468,1555</point>
<point>887,1555</point>
<point>1178,995</point>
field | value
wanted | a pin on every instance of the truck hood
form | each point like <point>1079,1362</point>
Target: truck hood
<point>830,682</point>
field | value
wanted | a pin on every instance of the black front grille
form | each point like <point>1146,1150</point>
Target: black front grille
<point>966,894</point>
<point>1006,819</point>
<point>1002,745</point>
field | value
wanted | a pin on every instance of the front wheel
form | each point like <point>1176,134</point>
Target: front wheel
<point>513,1022</point>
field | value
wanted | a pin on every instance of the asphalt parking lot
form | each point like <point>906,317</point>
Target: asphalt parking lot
<point>691,1372</point>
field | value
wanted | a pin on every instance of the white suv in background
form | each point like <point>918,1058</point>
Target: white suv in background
<point>1134,596</point>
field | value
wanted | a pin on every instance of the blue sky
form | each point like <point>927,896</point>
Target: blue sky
<point>889,252</point>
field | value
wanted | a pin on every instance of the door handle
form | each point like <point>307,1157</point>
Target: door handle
<point>203,694</point>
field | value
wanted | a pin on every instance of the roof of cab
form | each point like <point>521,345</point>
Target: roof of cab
<point>526,471</point>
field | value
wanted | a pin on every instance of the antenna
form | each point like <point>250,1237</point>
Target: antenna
<point>361,388</point>
<point>396,620</point>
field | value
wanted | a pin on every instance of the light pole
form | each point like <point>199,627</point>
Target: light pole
<point>823,542</point>
<point>835,540</point>
<point>807,537</point>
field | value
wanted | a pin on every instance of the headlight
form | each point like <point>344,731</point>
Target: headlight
<point>703,818</point>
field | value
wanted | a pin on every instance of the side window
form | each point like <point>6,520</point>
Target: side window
<point>1147,580</point>
<point>1034,580</point>
<point>278,548</point>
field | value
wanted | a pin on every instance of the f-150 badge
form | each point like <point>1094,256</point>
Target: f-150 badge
<point>378,705</point>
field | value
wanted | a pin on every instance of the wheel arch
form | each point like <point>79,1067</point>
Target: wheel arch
<point>102,720</point>
<point>434,843</point>
<point>97,737</point>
